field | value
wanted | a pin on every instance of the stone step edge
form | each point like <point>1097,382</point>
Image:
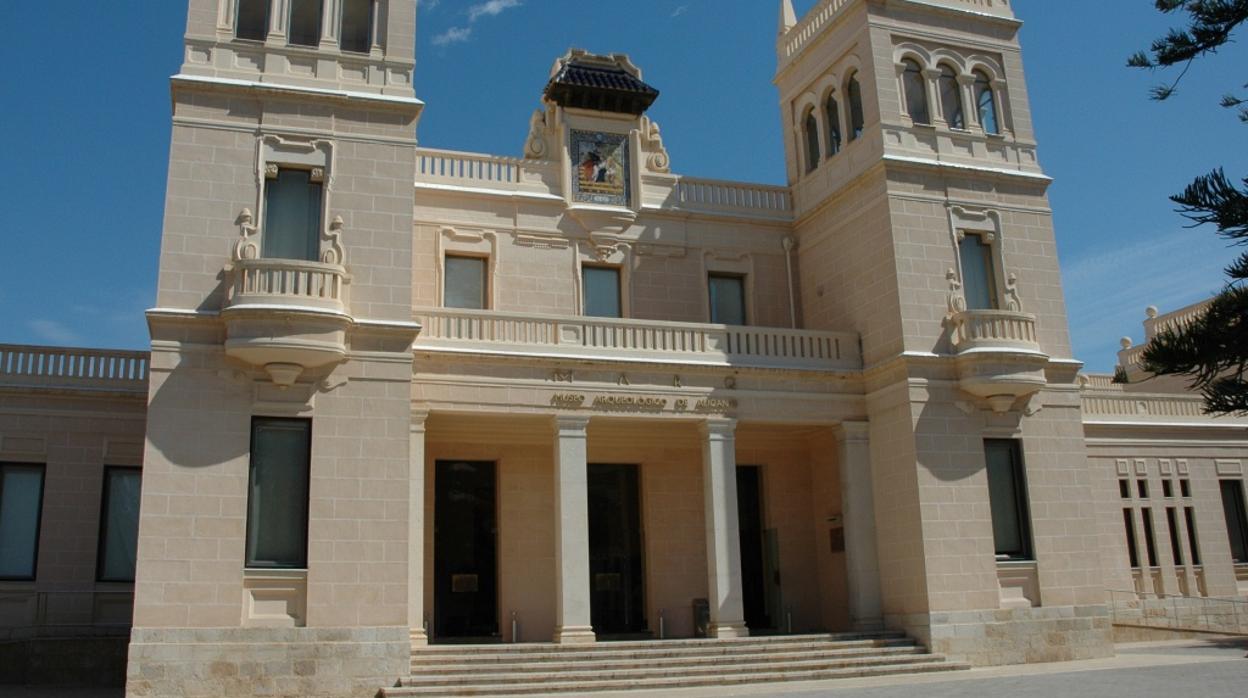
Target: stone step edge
<point>671,684</point>
<point>657,651</point>
<point>650,647</point>
<point>589,677</point>
<point>631,644</point>
<point>537,664</point>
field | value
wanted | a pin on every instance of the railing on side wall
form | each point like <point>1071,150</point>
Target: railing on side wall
<point>58,366</point>
<point>640,340</point>
<point>1178,319</point>
<point>1117,403</point>
<point>732,196</point>
<point>1173,612</point>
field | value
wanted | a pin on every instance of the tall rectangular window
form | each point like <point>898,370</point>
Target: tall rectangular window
<point>464,282</point>
<point>277,494</point>
<point>1007,494</point>
<point>357,26</point>
<point>1192,539</point>
<point>119,525</point>
<point>1150,540</point>
<point>1236,519</point>
<point>1133,552</point>
<point>305,23</point>
<point>979,278</point>
<point>252,21</point>
<point>601,286</point>
<point>727,299</point>
<point>21,507</point>
<point>292,217</point>
<point>1172,522</point>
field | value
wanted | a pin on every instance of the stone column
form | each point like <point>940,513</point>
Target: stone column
<point>862,564</point>
<point>723,532</point>
<point>572,618</point>
<point>416,529</point>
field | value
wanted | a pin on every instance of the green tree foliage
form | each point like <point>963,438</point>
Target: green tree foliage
<point>1213,350</point>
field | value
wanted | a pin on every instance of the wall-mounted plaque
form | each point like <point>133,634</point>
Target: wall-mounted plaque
<point>600,168</point>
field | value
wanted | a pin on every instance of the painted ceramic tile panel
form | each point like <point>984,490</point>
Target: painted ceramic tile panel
<point>601,163</point>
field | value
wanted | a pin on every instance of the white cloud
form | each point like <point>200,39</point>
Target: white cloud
<point>427,4</point>
<point>490,8</point>
<point>680,11</point>
<point>454,35</point>
<point>54,332</point>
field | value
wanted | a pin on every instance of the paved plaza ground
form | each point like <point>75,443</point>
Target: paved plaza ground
<point>1196,669</point>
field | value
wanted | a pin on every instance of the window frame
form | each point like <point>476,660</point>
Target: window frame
<point>1021,502</point>
<point>810,140</point>
<point>104,511</point>
<point>43,492</point>
<point>745,304</point>
<point>832,114</point>
<point>316,175</point>
<point>1225,485</point>
<point>248,562</point>
<point>857,114</point>
<point>370,39</point>
<point>619,289</point>
<point>949,74</point>
<point>983,86</point>
<point>988,243</point>
<point>485,278</point>
<point>290,23</point>
<point>913,78</point>
<point>265,27</point>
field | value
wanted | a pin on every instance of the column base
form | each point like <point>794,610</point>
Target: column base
<point>725,631</point>
<point>575,635</point>
<point>419,637</point>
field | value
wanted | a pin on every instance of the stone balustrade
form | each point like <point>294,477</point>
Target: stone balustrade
<point>475,331</point>
<point>1114,402</point>
<point>288,283</point>
<point>809,28</point>
<point>732,197</point>
<point>1178,319</point>
<point>53,367</point>
<point>995,330</point>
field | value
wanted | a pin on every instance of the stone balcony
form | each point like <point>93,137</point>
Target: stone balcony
<point>998,356</point>
<point>648,341</point>
<point>286,316</point>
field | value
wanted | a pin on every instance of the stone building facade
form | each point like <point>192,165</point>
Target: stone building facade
<point>398,395</point>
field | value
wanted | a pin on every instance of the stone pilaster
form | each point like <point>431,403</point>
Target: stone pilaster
<point>858,518</point>
<point>723,533</point>
<point>416,529</point>
<point>572,609</point>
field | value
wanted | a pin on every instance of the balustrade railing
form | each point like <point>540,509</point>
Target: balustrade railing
<point>1117,403</point>
<point>809,27</point>
<point>641,340</point>
<point>57,366</point>
<point>732,196</point>
<point>434,165</point>
<point>995,329</point>
<point>288,283</point>
<point>1176,320</point>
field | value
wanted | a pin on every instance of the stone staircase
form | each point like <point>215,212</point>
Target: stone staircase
<point>496,670</point>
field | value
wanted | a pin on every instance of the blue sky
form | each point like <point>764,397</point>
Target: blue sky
<point>83,171</point>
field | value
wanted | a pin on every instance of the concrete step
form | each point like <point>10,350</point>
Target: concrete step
<point>653,650</point>
<point>767,640</point>
<point>584,675</point>
<point>643,660</point>
<point>672,682</point>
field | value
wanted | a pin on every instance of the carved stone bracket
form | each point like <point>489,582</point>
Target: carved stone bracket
<point>957,299</point>
<point>541,134</point>
<point>246,247</point>
<point>333,251</point>
<point>657,159</point>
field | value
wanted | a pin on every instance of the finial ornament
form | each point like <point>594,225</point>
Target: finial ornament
<point>788,17</point>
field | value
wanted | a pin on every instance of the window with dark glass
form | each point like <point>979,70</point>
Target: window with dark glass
<point>1133,552</point>
<point>305,22</point>
<point>1190,515</point>
<point>357,26</point>
<point>464,283</point>
<point>1007,496</point>
<point>252,21</point>
<point>915,87</point>
<point>857,118</point>
<point>1185,488</point>
<point>1124,489</point>
<point>979,278</point>
<point>292,216</point>
<point>1236,519</point>
<point>1167,489</point>
<point>987,104</point>
<point>951,98</point>
<point>119,525</point>
<point>727,293</point>
<point>832,111</point>
<point>601,286</point>
<point>1141,487</point>
<point>1172,523</point>
<point>1150,540</point>
<point>21,507</point>
<point>810,133</point>
<point>277,493</point>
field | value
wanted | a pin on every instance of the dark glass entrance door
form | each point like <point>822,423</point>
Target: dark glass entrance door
<point>465,563</point>
<point>616,576</point>
<point>753,562</point>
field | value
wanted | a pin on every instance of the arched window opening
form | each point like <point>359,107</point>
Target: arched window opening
<point>915,87</point>
<point>810,130</point>
<point>832,111</point>
<point>951,98</point>
<point>987,104</point>
<point>856,120</point>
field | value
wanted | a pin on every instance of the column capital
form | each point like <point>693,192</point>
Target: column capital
<point>570,424</point>
<point>718,427</point>
<point>419,417</point>
<point>853,431</point>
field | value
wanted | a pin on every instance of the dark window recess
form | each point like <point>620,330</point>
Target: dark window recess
<point>1142,487</point>
<point>915,85</point>
<point>979,275</point>
<point>832,111</point>
<point>1124,489</point>
<point>357,26</point>
<point>464,283</point>
<point>951,98</point>
<point>119,525</point>
<point>1007,494</point>
<point>305,22</point>
<point>601,287</point>
<point>21,510</point>
<point>1132,549</point>
<point>1150,540</point>
<point>857,117</point>
<point>727,294</point>
<point>1176,547</point>
<point>1236,519</point>
<point>1185,488</point>
<point>252,21</point>
<point>1167,489</point>
<point>810,127</point>
<point>277,493</point>
<point>292,216</point>
<point>1192,545</point>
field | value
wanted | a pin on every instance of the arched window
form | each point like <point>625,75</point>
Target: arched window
<point>915,87</point>
<point>810,131</point>
<point>856,120</point>
<point>832,111</point>
<point>951,98</point>
<point>987,104</point>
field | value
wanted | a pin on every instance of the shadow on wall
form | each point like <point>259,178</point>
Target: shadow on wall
<point>98,663</point>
